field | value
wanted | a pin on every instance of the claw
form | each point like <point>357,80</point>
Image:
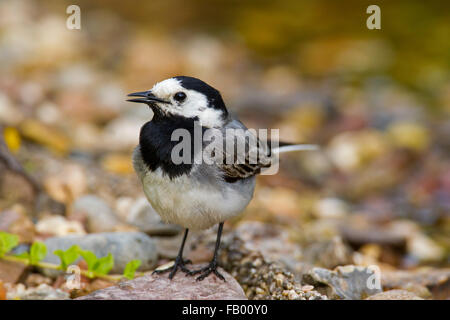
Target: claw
<point>206,271</point>
<point>178,264</point>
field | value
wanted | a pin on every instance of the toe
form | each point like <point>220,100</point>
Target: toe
<point>219,275</point>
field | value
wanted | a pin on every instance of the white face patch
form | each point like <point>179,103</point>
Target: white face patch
<point>195,104</point>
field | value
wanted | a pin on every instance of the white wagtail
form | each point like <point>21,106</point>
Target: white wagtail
<point>195,195</point>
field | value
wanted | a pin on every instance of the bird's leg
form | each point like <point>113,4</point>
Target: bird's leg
<point>179,262</point>
<point>212,266</point>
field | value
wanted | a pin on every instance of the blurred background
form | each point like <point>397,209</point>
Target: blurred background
<point>376,101</point>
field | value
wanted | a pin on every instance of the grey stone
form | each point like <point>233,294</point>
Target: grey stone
<point>124,246</point>
<point>168,247</point>
<point>100,217</point>
<point>160,287</point>
<point>346,282</point>
<point>328,253</point>
<point>143,216</point>
<point>361,236</point>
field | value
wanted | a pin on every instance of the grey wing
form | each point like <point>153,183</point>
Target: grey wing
<point>244,155</point>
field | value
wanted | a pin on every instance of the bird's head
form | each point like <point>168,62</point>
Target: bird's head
<point>186,97</point>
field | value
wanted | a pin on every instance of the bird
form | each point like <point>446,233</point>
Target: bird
<point>197,194</point>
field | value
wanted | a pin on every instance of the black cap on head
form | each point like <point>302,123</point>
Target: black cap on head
<point>214,98</point>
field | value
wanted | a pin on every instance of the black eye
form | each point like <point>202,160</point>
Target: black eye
<point>179,96</point>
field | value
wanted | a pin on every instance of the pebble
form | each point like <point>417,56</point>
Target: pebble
<point>9,113</point>
<point>307,288</point>
<point>42,292</point>
<point>331,208</point>
<point>328,253</point>
<point>394,295</point>
<point>59,226</point>
<point>279,278</point>
<point>46,135</point>
<point>413,136</point>
<point>67,183</point>
<point>100,217</point>
<point>350,150</point>
<point>292,295</point>
<point>118,163</point>
<point>36,279</point>
<point>424,248</point>
<point>122,133</point>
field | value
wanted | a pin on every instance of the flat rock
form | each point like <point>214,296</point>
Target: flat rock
<point>437,281</point>
<point>346,282</point>
<point>427,277</point>
<point>394,295</point>
<point>358,236</point>
<point>160,287</point>
<point>124,246</point>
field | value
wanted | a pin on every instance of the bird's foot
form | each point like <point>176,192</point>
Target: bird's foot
<point>206,271</point>
<point>178,264</point>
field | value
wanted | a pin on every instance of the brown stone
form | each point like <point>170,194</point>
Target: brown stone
<point>159,287</point>
<point>11,271</point>
<point>437,281</point>
<point>16,221</point>
<point>36,279</point>
<point>394,295</point>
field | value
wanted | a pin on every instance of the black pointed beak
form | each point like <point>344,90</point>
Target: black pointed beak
<point>147,97</point>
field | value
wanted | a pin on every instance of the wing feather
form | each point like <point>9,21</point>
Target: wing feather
<point>243,154</point>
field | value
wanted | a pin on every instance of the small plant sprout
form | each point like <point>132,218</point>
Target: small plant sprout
<point>97,267</point>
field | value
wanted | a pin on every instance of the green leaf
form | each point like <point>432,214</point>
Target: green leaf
<point>100,266</point>
<point>104,265</point>
<point>89,257</point>
<point>7,242</point>
<point>37,252</point>
<point>67,257</point>
<point>23,255</point>
<point>131,268</point>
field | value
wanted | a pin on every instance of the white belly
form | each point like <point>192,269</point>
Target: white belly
<point>191,204</point>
